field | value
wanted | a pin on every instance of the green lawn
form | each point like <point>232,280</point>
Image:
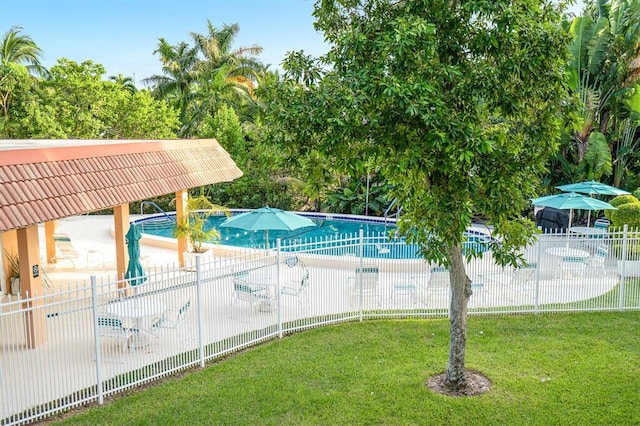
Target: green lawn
<point>561,369</point>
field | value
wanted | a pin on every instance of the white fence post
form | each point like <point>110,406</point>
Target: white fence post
<point>536,302</point>
<point>623,272</point>
<point>278,306</point>
<point>96,340</point>
<point>199,310</point>
<point>361,275</point>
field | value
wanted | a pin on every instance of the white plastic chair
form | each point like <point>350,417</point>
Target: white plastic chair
<point>365,283</point>
<point>572,266</point>
<point>64,249</point>
<point>110,326</point>
<point>599,257</point>
<point>172,319</point>
<point>244,291</point>
<point>439,283</point>
<point>297,288</point>
<point>522,277</point>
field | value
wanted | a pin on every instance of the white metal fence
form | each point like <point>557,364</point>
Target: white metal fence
<point>95,339</point>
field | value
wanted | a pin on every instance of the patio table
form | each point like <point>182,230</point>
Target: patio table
<point>566,252</point>
<point>136,310</point>
<point>588,231</point>
<point>268,280</point>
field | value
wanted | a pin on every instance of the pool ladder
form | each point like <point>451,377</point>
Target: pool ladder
<point>388,209</point>
<point>157,222</point>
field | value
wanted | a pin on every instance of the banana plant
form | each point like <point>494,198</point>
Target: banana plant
<point>627,142</point>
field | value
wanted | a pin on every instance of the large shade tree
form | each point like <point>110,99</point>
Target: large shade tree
<point>459,104</point>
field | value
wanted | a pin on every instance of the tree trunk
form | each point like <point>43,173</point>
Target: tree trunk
<point>460,293</point>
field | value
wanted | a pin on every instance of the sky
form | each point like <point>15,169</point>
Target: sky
<point>123,34</point>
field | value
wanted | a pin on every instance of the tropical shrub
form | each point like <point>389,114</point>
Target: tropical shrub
<point>617,202</point>
<point>626,214</point>
<point>194,225</point>
<point>623,199</point>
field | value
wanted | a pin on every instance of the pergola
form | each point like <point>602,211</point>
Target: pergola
<point>42,181</point>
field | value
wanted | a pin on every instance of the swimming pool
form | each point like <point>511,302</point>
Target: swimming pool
<point>328,228</point>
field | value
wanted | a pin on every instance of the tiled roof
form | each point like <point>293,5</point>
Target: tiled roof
<point>46,180</point>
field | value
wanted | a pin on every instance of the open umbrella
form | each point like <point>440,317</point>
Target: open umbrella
<point>592,188</point>
<point>265,219</point>
<point>570,201</point>
<point>135,274</point>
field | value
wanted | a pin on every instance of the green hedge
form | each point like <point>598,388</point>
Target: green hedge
<point>618,201</point>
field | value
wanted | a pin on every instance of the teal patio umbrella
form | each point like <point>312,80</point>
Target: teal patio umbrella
<point>570,201</point>
<point>266,219</point>
<point>135,274</point>
<point>592,187</point>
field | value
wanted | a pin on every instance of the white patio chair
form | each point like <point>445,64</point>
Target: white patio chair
<point>297,288</point>
<point>110,326</point>
<point>172,319</point>
<point>572,266</point>
<point>365,283</point>
<point>601,223</point>
<point>598,259</point>
<point>438,283</point>
<point>64,249</point>
<point>245,291</point>
<point>522,277</point>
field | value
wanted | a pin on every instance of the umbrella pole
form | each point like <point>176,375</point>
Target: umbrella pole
<point>569,227</point>
<point>588,217</point>
<point>266,236</point>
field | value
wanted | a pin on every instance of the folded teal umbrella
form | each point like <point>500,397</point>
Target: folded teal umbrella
<point>135,274</point>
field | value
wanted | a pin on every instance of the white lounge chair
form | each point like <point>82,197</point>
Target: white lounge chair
<point>365,283</point>
<point>64,249</point>
<point>438,283</point>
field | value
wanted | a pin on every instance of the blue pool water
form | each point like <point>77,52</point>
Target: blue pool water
<point>327,228</point>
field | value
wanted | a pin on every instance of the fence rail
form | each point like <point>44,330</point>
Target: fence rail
<point>95,339</point>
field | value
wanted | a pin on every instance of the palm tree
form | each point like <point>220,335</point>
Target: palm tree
<point>198,79</point>
<point>176,84</point>
<point>21,49</point>
<point>216,50</point>
<point>126,83</point>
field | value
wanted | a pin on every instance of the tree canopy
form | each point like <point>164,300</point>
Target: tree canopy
<point>459,103</point>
